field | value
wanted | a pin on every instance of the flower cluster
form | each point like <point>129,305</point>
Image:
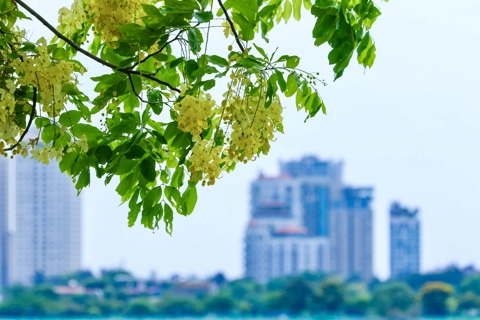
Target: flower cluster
<point>45,154</point>
<point>107,15</point>
<point>8,129</point>
<point>37,69</point>
<point>244,125</point>
<point>47,76</point>
<point>252,124</point>
<point>205,162</point>
<point>193,113</point>
<point>71,20</point>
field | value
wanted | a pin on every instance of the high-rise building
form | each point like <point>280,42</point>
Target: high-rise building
<point>404,241</point>
<point>47,237</point>
<point>4,231</point>
<point>297,218</point>
<point>351,234</point>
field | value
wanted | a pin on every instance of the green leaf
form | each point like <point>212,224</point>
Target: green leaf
<point>131,103</point>
<point>281,81</point>
<point>364,47</point>
<point>209,84</point>
<point>190,199</point>
<point>181,141</point>
<point>307,4</point>
<point>161,139</point>
<point>203,16</point>
<point>126,183</point>
<point>292,85</point>
<point>137,84</point>
<point>42,122</point>
<point>89,131</point>
<point>173,196</point>
<point>324,28</point>
<point>297,8</point>
<point>190,67</point>
<point>247,8</point>
<point>165,175</point>
<point>125,166</point>
<point>70,118</point>
<point>171,131</point>
<point>96,45</point>
<point>287,11</point>
<point>134,208</point>
<point>178,176</point>
<point>6,6</point>
<point>217,60</point>
<point>153,197</point>
<point>370,57</point>
<point>293,61</point>
<point>147,168</point>
<point>135,152</point>
<point>324,4</point>
<point>193,40</point>
<point>246,27</point>
<point>50,133</point>
<point>168,218</point>
<point>103,153</point>
<point>262,52</point>
<point>60,54</point>
<point>83,179</point>
<point>68,160</point>
<point>151,10</point>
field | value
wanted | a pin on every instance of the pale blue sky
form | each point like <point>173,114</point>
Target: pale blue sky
<point>408,127</point>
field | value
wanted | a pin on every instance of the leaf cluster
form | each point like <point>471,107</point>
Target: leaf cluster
<point>156,61</point>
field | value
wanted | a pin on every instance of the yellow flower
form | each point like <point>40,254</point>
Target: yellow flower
<point>193,114</point>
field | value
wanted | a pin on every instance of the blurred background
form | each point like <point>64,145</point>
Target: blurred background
<point>388,181</point>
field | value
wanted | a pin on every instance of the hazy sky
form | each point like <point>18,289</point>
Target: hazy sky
<point>408,127</point>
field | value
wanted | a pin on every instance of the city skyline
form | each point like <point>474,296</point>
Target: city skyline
<point>398,214</point>
<point>406,126</point>
<point>308,219</point>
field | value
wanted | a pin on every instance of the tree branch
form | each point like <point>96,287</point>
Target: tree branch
<point>88,54</point>
<point>30,121</point>
<point>235,34</point>
<point>135,91</point>
<point>156,52</point>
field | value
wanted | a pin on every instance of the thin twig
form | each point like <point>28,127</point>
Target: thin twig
<point>88,54</point>
<point>136,93</point>
<point>30,121</point>
<point>156,52</point>
<point>235,34</point>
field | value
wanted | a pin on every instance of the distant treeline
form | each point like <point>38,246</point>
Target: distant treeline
<point>452,291</point>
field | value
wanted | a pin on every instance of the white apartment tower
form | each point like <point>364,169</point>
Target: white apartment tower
<point>47,232</point>
<point>4,235</point>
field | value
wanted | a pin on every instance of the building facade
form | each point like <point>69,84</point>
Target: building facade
<point>272,253</point>
<point>4,230</point>
<point>351,234</point>
<point>306,219</point>
<point>47,237</point>
<point>404,241</point>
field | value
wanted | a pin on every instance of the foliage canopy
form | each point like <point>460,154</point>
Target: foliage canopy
<point>152,120</point>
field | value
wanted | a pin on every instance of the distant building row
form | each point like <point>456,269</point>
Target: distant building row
<point>40,222</point>
<point>307,219</point>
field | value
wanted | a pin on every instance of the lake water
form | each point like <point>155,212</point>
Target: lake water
<point>248,318</point>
